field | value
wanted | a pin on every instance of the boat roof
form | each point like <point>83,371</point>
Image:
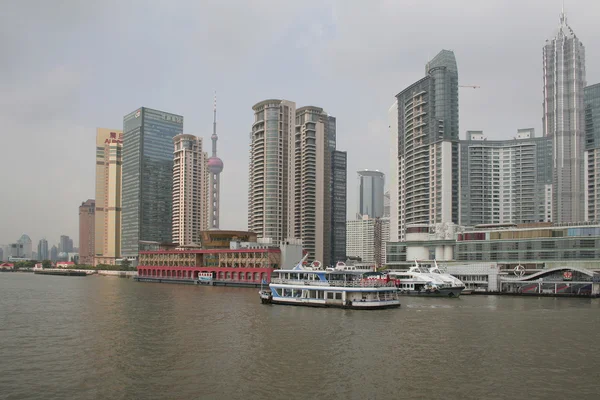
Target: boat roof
<point>335,271</point>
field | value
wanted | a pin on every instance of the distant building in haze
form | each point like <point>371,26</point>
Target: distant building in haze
<point>65,244</point>
<point>27,246</point>
<point>54,253</point>
<point>592,150</point>
<point>147,200</point>
<point>109,151</point>
<point>190,190</point>
<point>87,232</point>
<point>370,193</point>
<point>43,250</point>
<point>564,121</point>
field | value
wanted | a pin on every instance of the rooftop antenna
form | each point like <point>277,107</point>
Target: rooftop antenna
<point>214,147</point>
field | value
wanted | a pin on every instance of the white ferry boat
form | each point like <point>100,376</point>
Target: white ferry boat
<point>421,281</point>
<point>340,287</point>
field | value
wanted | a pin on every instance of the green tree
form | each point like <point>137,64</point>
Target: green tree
<point>125,264</point>
<point>46,264</point>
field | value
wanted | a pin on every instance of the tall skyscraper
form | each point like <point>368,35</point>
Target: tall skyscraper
<point>147,199</point>
<point>564,80</point>
<point>425,161</point>
<point>505,181</point>
<point>270,187</point>
<point>215,167</point>
<point>109,149</point>
<point>592,150</point>
<point>43,250</point>
<point>370,193</point>
<point>87,232</point>
<point>297,179</point>
<point>190,190</point>
<point>339,205</point>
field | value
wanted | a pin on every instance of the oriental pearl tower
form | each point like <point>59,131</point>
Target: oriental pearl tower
<point>215,166</point>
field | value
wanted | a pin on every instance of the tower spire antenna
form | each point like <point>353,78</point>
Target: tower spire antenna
<point>214,136</point>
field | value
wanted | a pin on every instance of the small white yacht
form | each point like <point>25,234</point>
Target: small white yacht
<point>342,287</point>
<point>421,281</point>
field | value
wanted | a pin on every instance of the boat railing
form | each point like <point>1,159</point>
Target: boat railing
<point>357,283</point>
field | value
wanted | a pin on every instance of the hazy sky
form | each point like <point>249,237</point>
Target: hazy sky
<point>71,66</point>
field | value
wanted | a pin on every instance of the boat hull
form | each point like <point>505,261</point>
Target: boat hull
<point>352,305</point>
<point>444,292</point>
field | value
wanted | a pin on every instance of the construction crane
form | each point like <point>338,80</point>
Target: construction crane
<point>471,86</point>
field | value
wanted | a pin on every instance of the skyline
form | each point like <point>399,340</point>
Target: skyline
<point>75,85</point>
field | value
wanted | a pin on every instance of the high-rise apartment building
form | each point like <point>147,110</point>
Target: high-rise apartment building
<point>87,233</point>
<point>366,239</point>
<point>563,121</point>
<point>109,150</point>
<point>592,150</point>
<point>312,162</point>
<point>190,190</point>
<point>370,193</point>
<point>339,197</point>
<point>270,187</point>
<point>147,199</point>
<point>505,181</point>
<point>42,253</point>
<point>297,179</point>
<point>54,253</point>
<point>425,142</point>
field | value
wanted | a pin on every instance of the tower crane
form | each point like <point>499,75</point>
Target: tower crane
<point>470,86</point>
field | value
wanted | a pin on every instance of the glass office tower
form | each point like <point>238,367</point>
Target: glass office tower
<point>147,177</point>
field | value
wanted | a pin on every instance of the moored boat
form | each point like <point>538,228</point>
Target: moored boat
<point>314,287</point>
<point>421,281</point>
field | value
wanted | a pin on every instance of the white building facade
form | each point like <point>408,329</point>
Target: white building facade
<point>190,190</point>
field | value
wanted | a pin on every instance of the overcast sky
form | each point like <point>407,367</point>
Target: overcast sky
<point>71,66</point>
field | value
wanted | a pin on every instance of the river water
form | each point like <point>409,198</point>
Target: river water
<point>112,338</point>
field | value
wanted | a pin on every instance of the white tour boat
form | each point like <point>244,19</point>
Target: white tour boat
<point>421,281</point>
<point>341,286</point>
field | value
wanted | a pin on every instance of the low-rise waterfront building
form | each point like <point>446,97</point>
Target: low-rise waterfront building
<point>526,258</point>
<point>244,261</point>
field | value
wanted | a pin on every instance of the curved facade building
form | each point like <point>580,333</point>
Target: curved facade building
<point>426,142</point>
